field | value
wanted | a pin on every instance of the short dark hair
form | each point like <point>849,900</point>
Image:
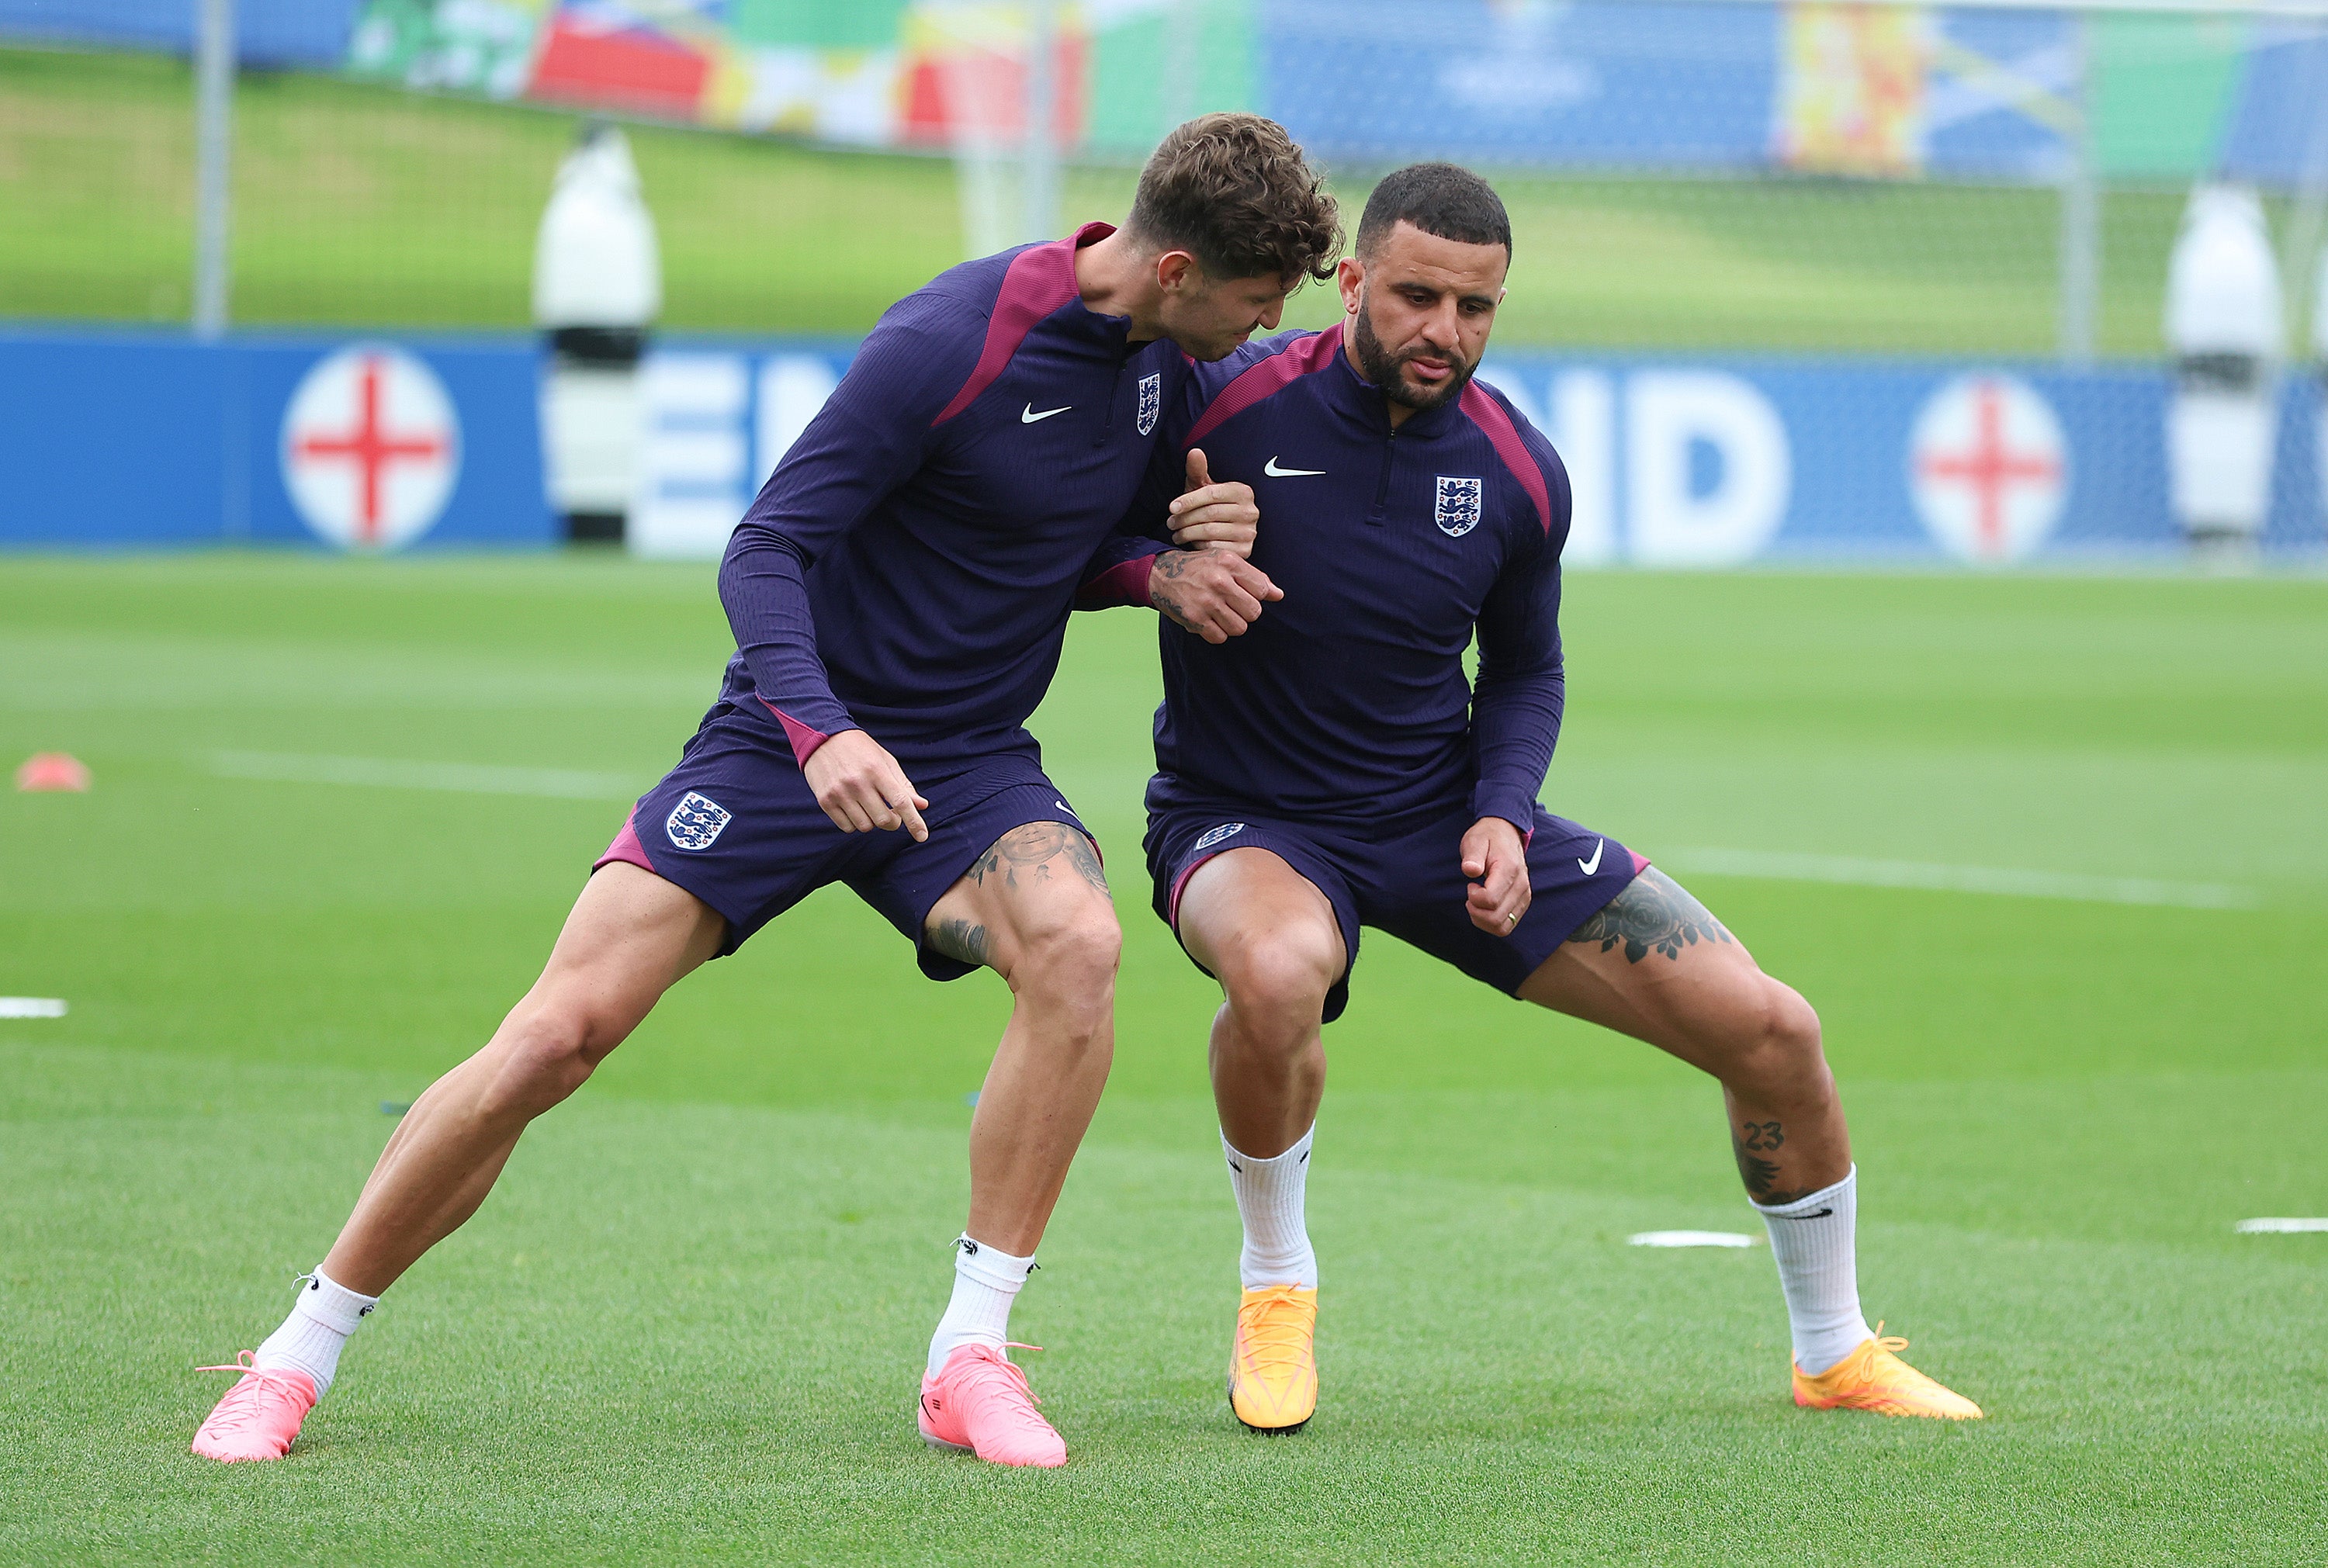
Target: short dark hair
<point>1235,191</point>
<point>1441,199</point>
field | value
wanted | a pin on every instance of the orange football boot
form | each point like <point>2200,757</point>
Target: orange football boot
<point>1873,1377</point>
<point>1272,1365</point>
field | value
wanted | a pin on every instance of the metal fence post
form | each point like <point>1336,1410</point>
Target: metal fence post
<point>214,58</point>
<point>1039,172</point>
<point>2080,245</point>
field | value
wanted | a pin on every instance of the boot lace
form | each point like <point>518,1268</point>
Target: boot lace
<point>1276,1330</point>
<point>246,1401</point>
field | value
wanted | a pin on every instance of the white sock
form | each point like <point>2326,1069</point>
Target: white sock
<point>1269,1199</point>
<point>317,1331</point>
<point>1812,1240</point>
<point>986,1280</point>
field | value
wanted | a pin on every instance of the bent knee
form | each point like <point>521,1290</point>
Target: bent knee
<point>1273,975</point>
<point>1781,1040</point>
<point>1074,958</point>
<point>546,1054</point>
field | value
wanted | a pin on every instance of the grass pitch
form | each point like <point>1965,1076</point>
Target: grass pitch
<point>358,205</point>
<point>688,1325</point>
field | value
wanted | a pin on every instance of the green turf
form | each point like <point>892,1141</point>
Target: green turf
<point>364,205</point>
<point>686,1328</point>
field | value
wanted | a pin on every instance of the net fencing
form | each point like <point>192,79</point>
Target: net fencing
<point>1821,175</point>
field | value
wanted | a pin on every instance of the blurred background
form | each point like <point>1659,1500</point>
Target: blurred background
<point>1815,279</point>
<point>1969,359</point>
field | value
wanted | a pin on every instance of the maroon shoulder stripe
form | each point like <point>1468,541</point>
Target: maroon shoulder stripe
<point>1038,280</point>
<point>1490,416</point>
<point>1272,375</point>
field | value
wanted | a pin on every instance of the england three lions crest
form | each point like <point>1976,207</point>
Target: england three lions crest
<point>1152,402</point>
<point>695,822</point>
<point>1457,513</point>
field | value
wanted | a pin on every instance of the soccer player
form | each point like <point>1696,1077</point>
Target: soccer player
<point>899,592</point>
<point>1333,768</point>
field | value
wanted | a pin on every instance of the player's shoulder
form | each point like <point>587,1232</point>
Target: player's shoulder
<point>1254,373</point>
<point>1524,457</point>
<point>962,328</point>
<point>962,296</point>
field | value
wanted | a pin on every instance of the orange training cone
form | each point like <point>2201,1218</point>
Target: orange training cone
<point>53,770</point>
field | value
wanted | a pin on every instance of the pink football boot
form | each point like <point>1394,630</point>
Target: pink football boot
<point>979,1402</point>
<point>259,1416</point>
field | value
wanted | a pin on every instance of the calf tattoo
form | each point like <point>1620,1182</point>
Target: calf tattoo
<point>1654,911</point>
<point>1761,1175</point>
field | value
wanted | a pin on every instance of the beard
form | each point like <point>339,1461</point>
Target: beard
<point>1387,371</point>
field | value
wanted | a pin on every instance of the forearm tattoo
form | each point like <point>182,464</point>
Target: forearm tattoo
<point>1031,849</point>
<point>1654,911</point>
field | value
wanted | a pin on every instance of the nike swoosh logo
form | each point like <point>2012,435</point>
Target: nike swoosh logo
<point>1821,1215</point>
<point>1028,415</point>
<point>1275,472</point>
<point>1065,807</point>
<point>1593,866</point>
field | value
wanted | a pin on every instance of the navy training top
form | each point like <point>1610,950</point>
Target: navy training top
<point>1347,702</point>
<point>909,566</point>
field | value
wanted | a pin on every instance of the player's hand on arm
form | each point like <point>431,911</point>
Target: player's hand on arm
<point>862,787</point>
<point>1212,516</point>
<point>1215,594</point>
<point>1495,862</point>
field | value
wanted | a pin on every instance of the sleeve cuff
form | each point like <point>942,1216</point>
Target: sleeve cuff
<point>1515,806</point>
<point>806,736</point>
<point>1124,583</point>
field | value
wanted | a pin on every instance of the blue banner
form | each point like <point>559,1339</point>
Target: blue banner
<point>1620,85</point>
<point>142,440</point>
<point>308,34</point>
<point>1715,463</point>
<point>120,440</point>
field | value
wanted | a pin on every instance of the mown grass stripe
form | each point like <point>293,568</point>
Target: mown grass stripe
<point>2005,881</point>
<point>391,772</point>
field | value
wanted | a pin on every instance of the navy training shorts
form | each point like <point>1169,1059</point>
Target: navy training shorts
<point>1408,881</point>
<point>735,824</point>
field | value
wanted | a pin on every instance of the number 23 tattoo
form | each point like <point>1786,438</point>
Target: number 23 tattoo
<point>1761,1135</point>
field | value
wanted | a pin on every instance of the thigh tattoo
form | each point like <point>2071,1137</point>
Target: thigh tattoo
<point>1654,911</point>
<point>1031,849</point>
<point>961,940</point>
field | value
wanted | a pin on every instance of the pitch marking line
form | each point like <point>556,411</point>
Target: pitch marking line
<point>31,1007</point>
<point>460,777</point>
<point>2257,1227</point>
<point>1689,1238</point>
<point>2009,881</point>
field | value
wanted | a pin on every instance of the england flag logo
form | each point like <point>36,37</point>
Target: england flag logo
<point>1458,511</point>
<point>1152,402</point>
<point>1215,835</point>
<point>695,822</point>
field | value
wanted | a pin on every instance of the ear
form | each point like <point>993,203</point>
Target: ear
<point>1176,270</point>
<point>1351,277</point>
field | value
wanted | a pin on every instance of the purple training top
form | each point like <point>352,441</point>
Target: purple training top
<point>909,566</point>
<point>1347,703</point>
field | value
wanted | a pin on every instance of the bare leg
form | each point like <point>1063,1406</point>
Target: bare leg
<point>629,937</point>
<point>1035,908</point>
<point>1270,937</point>
<point>1656,965</point>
